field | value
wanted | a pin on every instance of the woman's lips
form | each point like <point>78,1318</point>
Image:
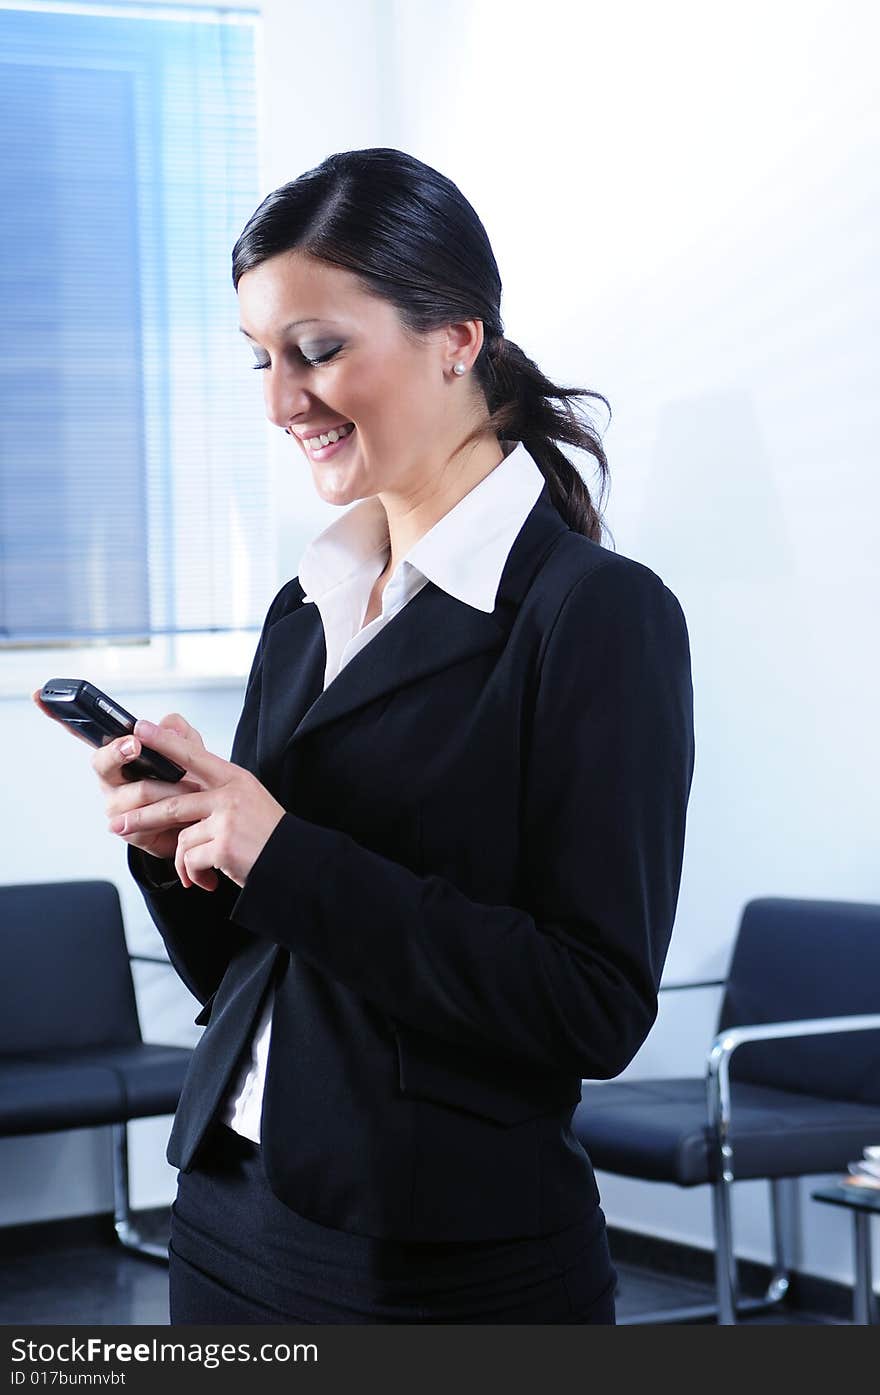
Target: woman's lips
<point>325,452</point>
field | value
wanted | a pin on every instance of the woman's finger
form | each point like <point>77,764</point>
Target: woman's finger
<point>108,759</point>
<point>171,812</point>
<point>186,751</point>
<point>177,723</point>
<point>194,861</point>
<point>132,794</point>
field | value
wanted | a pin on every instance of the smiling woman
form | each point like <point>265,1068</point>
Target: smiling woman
<point>433,888</point>
<point>391,385</point>
<point>349,328</point>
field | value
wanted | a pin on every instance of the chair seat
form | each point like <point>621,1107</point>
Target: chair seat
<point>658,1130</point>
<point>152,1076</point>
<point>91,1086</point>
<point>40,1098</point>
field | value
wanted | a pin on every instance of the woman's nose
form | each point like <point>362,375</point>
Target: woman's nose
<point>284,394</point>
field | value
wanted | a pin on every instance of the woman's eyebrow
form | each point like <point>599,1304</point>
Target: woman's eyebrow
<point>293,324</point>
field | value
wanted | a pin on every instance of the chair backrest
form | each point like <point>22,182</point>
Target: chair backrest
<point>65,976</point>
<point>796,959</point>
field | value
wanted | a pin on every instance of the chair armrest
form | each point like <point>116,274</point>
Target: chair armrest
<point>723,1047</point>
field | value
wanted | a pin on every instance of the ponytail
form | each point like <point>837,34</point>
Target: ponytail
<point>524,405</point>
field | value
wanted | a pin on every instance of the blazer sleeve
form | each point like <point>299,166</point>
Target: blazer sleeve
<point>194,923</point>
<point>571,982</point>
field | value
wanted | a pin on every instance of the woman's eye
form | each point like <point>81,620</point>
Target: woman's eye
<point>312,362</point>
<point>322,358</point>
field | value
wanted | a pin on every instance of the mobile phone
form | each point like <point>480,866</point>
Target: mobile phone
<point>99,719</point>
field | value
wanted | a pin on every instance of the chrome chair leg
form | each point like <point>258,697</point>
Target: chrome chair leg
<point>730,1304</point>
<point>726,1277</point>
<point>125,1231</point>
<point>727,1283</point>
<point>781,1213</point>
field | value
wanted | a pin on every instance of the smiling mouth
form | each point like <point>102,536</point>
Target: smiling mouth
<point>319,451</point>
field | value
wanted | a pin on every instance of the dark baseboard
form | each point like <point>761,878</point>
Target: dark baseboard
<point>806,1293</point>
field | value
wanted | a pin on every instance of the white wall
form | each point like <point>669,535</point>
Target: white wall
<point>683,204</point>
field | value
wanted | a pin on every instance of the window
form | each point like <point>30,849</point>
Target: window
<point>134,471</point>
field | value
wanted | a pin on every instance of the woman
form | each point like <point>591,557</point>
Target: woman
<point>433,889</point>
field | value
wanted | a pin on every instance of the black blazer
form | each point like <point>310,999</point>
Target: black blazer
<point>466,907</point>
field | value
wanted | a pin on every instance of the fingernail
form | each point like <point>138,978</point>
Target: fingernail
<point>128,747</point>
<point>144,728</point>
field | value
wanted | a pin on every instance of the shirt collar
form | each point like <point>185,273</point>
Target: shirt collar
<point>463,553</point>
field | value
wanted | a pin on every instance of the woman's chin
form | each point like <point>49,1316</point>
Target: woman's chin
<point>338,486</point>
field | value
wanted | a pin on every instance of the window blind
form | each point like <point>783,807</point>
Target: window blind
<point>134,474</point>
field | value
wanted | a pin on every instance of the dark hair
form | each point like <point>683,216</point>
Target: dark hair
<point>410,236</point>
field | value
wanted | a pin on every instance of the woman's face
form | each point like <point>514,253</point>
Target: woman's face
<point>351,362</point>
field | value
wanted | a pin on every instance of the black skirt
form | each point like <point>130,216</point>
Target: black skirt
<point>239,1255</point>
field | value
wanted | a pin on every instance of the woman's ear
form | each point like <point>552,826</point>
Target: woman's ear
<point>464,340</point>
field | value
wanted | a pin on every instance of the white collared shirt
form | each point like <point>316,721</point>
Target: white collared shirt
<point>464,554</point>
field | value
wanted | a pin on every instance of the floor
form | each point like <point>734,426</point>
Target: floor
<point>641,1291</point>
<point>92,1279</point>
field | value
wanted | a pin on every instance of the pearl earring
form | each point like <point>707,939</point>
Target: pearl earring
<point>459,368</point>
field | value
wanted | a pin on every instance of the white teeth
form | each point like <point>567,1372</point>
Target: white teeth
<point>336,434</point>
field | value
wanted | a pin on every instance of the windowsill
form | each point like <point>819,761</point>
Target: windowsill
<point>141,683</point>
<point>167,663</point>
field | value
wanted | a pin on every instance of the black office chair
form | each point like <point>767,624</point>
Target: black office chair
<point>71,1051</point>
<point>800,1096</point>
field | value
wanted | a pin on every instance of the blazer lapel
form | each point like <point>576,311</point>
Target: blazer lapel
<point>433,631</point>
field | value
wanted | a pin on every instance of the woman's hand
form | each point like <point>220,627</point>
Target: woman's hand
<point>121,794</point>
<point>124,795</point>
<point>224,822</point>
